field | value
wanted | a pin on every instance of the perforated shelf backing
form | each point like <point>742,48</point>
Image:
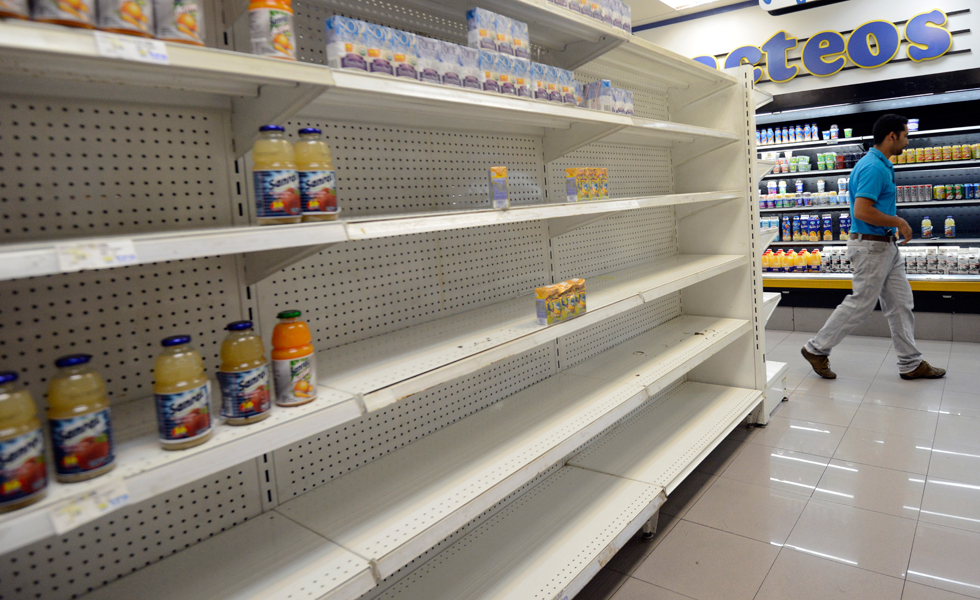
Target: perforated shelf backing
<point>316,460</point>
<point>633,172</point>
<point>130,538</point>
<point>73,168</point>
<point>119,317</point>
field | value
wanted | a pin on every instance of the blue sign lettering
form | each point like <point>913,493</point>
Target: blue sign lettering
<point>746,55</point>
<point>873,44</point>
<point>776,60</point>
<point>822,54</point>
<point>927,37</point>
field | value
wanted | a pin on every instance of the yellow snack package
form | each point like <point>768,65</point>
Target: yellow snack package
<point>594,183</point>
<point>571,185</point>
<point>498,188</point>
<point>547,304</point>
<point>603,183</point>
<point>582,188</point>
<point>578,295</point>
<point>564,300</point>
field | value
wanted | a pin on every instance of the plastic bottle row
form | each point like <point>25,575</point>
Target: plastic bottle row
<point>293,182</point>
<point>792,134</point>
<point>80,421</point>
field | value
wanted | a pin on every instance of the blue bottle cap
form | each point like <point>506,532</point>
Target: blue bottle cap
<point>310,130</point>
<point>272,128</point>
<point>175,340</point>
<point>7,377</point>
<point>72,360</point>
<point>239,326</point>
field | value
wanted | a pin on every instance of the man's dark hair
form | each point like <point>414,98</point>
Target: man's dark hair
<point>888,124</point>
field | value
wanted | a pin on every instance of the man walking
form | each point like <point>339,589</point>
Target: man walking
<point>879,269</point>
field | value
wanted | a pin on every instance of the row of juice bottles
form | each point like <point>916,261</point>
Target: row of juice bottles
<point>791,262</point>
<point>78,408</point>
<point>293,182</point>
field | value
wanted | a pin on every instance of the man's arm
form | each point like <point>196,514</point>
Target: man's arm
<point>864,210</point>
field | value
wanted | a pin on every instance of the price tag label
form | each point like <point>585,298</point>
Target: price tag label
<point>131,48</point>
<point>95,255</point>
<point>89,506</point>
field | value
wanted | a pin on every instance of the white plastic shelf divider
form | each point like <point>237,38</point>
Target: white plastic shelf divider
<point>769,302</point>
<point>763,168</point>
<point>41,258</point>
<point>766,236</point>
<point>269,557</point>
<point>147,470</point>
<point>393,509</point>
<point>668,438</point>
<point>547,544</point>
<point>387,368</point>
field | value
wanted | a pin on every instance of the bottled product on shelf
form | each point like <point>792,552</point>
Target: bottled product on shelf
<point>844,223</point>
<point>80,421</point>
<point>317,179</point>
<point>244,376</point>
<point>293,360</point>
<point>926,227</point>
<point>276,182</point>
<point>130,17</point>
<point>23,474</point>
<point>949,227</point>
<point>179,21</point>
<point>71,13</point>
<point>793,134</point>
<point>271,27</point>
<point>928,154</point>
<point>183,395</point>
<point>559,302</point>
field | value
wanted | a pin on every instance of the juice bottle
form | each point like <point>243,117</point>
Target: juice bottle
<point>815,261</point>
<point>73,13</point>
<point>131,17</point>
<point>271,25</point>
<point>81,427</point>
<point>23,476</point>
<point>778,263</point>
<point>950,227</point>
<point>244,376</point>
<point>926,227</point>
<point>803,261</point>
<point>183,395</point>
<point>14,9</point>
<point>293,360</point>
<point>765,260</point>
<point>179,21</point>
<point>791,261</point>
<point>275,178</point>
<point>317,180</point>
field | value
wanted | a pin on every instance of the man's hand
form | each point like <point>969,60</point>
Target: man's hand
<point>905,230</point>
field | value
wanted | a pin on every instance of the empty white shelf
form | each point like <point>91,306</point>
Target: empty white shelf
<point>769,302</point>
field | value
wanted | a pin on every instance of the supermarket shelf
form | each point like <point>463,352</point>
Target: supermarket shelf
<point>842,281</point>
<point>945,164</point>
<point>900,206</point>
<point>761,98</point>
<point>763,168</point>
<point>387,368</point>
<point>146,470</point>
<point>395,508</point>
<point>915,242</point>
<point>852,141</point>
<point>951,130</point>
<point>548,544</point>
<point>769,302</point>
<point>42,258</point>
<point>842,207</point>
<point>766,236</point>
<point>641,61</point>
<point>266,557</point>
<point>813,173</point>
<point>666,439</point>
<point>366,97</point>
<point>774,372</point>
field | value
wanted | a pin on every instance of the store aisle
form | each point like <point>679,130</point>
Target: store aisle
<point>865,487</point>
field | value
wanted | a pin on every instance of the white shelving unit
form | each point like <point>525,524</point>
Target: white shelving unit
<point>770,302</point>
<point>447,418</point>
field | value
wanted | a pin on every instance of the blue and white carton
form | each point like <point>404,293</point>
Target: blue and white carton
<point>345,43</point>
<point>481,29</point>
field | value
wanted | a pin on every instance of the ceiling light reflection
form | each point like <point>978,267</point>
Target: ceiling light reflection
<point>821,554</point>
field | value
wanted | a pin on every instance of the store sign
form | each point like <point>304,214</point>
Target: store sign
<point>872,45</point>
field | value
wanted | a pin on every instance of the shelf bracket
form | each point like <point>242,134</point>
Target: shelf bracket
<point>559,142</point>
<point>259,265</point>
<point>562,225</point>
<point>272,104</point>
<point>681,98</point>
<point>686,210</point>
<point>576,54</point>
<point>686,152</point>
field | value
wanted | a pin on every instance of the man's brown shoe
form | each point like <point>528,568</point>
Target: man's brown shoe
<point>924,371</point>
<point>821,364</point>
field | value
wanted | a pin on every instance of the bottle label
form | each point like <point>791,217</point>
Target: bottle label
<point>22,470</point>
<point>295,380</point>
<point>276,193</point>
<point>451,78</point>
<point>272,33</point>
<point>82,444</point>
<point>244,393</point>
<point>318,191</point>
<point>185,415</point>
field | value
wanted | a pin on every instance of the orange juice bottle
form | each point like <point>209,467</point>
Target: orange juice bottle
<point>81,427</point>
<point>131,17</point>
<point>180,21</point>
<point>23,476</point>
<point>293,360</point>
<point>275,179</point>
<point>317,179</point>
<point>244,376</point>
<point>271,24</point>
<point>183,395</point>
<point>73,13</point>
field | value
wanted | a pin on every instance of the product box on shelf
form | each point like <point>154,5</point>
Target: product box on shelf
<point>346,46</point>
<point>405,54</point>
<point>429,65</point>
<point>481,28</point>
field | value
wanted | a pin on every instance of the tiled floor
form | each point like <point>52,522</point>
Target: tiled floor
<point>865,487</point>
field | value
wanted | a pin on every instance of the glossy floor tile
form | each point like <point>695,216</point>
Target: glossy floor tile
<point>799,576</point>
<point>866,487</point>
<point>706,563</point>
<point>872,488</point>
<point>853,536</point>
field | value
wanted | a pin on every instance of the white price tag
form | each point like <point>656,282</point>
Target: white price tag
<point>131,48</point>
<point>89,506</point>
<point>95,255</point>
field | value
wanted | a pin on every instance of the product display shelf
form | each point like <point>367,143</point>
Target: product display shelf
<point>44,258</point>
<point>268,557</point>
<point>812,144</point>
<point>914,242</point>
<point>919,283</point>
<point>769,302</point>
<point>813,173</point>
<point>666,439</point>
<point>946,131</point>
<point>766,236</point>
<point>763,168</point>
<point>393,509</point>
<point>775,391</point>
<point>847,207</point>
<point>146,470</point>
<point>384,369</point>
<point>935,165</point>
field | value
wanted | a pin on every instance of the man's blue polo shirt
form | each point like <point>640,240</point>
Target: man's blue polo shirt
<point>873,177</point>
